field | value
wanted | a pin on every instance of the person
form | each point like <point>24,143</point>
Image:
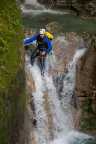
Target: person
<point>43,44</point>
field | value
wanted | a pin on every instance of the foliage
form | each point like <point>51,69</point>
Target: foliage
<point>88,121</point>
<point>12,94</point>
<point>10,39</point>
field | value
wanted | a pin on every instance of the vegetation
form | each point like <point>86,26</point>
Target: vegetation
<point>88,121</point>
<point>10,41</point>
<point>12,95</point>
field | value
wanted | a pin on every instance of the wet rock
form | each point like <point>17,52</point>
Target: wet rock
<point>80,7</point>
<point>53,27</point>
<point>86,86</point>
<point>34,122</point>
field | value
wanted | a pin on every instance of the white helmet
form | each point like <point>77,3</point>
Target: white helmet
<point>42,31</point>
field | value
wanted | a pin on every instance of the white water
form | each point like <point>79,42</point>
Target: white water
<point>40,11</point>
<point>68,135</point>
<point>32,7</point>
<point>71,137</point>
<point>33,3</point>
<point>42,138</point>
<point>69,81</point>
<point>63,131</point>
<point>54,103</point>
<point>59,120</point>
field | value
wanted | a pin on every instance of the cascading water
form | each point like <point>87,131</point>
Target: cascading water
<point>33,3</point>
<point>62,127</point>
<point>56,119</point>
<point>70,136</point>
<point>56,109</point>
<point>42,138</point>
<point>69,83</point>
<point>34,8</point>
<point>31,6</point>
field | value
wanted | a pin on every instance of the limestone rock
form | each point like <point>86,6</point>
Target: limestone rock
<point>86,86</point>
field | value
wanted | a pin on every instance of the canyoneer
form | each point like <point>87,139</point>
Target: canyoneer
<point>43,47</point>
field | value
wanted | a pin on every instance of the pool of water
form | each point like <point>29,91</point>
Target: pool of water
<point>67,22</point>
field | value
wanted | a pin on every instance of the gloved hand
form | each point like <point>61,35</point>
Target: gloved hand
<point>43,53</point>
<point>50,53</point>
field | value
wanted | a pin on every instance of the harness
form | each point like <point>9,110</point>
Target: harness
<point>41,44</point>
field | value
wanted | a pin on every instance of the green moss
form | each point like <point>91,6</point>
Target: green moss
<point>12,107</point>
<point>88,121</point>
<point>87,105</point>
<point>10,41</point>
<point>12,84</point>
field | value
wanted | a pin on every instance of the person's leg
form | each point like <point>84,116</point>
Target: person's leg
<point>46,64</point>
<point>43,63</point>
<point>34,55</point>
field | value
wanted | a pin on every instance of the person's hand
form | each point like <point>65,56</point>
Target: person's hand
<point>51,53</point>
<point>43,53</point>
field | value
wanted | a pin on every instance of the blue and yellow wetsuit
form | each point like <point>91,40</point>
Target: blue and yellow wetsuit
<point>43,44</point>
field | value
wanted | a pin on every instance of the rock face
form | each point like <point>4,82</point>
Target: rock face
<point>81,7</point>
<point>86,87</point>
<point>86,7</point>
<point>12,95</point>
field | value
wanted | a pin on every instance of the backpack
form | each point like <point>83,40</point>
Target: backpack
<point>49,35</point>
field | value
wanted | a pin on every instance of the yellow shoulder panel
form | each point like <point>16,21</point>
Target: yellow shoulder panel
<point>49,35</point>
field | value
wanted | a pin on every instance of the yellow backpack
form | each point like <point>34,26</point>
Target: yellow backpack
<point>49,35</point>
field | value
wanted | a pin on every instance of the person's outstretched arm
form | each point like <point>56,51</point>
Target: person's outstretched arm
<point>29,41</point>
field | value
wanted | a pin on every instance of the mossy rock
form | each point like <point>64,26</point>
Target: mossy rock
<point>10,41</point>
<point>88,119</point>
<point>12,79</point>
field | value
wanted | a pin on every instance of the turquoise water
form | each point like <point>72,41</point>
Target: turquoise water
<point>68,23</point>
<point>83,141</point>
<point>78,141</point>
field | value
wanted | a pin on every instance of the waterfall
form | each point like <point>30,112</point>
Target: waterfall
<point>39,105</point>
<point>31,2</point>
<point>69,84</point>
<point>40,11</point>
<point>62,123</point>
<point>38,99</point>
<point>56,109</point>
<point>54,104</point>
<point>32,7</point>
<point>68,135</point>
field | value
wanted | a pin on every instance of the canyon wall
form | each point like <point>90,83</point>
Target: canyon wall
<point>86,86</point>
